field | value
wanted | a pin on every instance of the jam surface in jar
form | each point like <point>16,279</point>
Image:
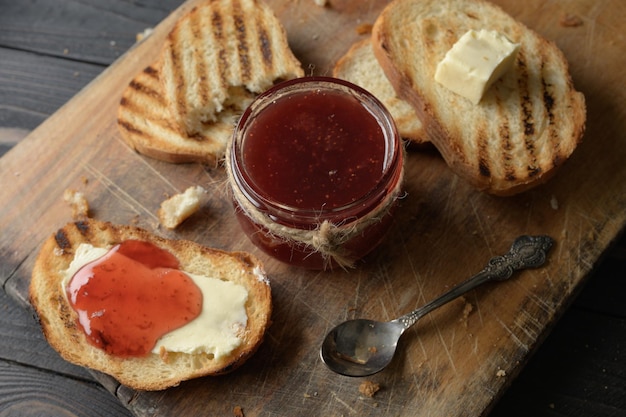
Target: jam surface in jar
<point>318,149</point>
<point>316,167</point>
<point>130,297</point>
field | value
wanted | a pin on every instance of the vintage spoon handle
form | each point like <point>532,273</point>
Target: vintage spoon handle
<point>526,252</point>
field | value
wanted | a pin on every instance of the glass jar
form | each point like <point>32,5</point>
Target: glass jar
<point>315,167</point>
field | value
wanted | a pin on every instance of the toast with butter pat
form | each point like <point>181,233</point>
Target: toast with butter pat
<point>359,66</point>
<point>528,122</point>
<point>217,58</point>
<point>167,367</point>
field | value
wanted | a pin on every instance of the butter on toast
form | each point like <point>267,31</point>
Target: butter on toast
<point>59,321</point>
<point>528,122</point>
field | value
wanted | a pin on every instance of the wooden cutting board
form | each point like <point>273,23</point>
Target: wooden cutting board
<point>456,361</point>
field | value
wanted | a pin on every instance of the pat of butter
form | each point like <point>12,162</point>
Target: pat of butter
<point>217,330</point>
<point>475,61</point>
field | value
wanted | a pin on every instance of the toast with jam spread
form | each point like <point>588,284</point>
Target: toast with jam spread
<point>215,60</point>
<point>62,326</point>
<point>528,122</point>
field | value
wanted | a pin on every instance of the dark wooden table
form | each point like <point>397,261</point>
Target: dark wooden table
<point>51,49</point>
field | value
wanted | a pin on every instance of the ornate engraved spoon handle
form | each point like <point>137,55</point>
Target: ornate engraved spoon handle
<point>526,252</point>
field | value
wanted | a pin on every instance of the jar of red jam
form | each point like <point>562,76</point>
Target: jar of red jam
<point>315,167</point>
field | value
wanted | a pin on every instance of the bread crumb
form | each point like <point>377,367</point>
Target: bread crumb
<point>238,411</point>
<point>554,203</point>
<point>467,309</point>
<point>369,388</point>
<point>364,29</point>
<point>179,207</point>
<point>570,20</point>
<point>143,35</point>
<point>501,373</point>
<point>321,3</point>
<point>78,202</point>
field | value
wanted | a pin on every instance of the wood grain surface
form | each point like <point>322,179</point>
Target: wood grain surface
<point>444,231</point>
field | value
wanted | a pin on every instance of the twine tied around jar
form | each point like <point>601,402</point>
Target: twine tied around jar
<point>327,238</point>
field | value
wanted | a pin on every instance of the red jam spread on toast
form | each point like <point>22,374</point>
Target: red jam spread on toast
<point>314,149</point>
<point>130,297</point>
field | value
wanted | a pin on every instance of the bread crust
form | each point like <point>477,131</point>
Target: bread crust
<point>59,321</point>
<point>527,124</point>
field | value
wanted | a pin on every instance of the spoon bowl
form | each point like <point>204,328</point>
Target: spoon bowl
<point>361,347</point>
<point>364,347</point>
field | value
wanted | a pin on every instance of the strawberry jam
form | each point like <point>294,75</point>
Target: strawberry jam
<point>306,151</point>
<point>130,297</point>
<point>313,154</point>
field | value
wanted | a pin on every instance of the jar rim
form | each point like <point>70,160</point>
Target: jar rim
<point>285,213</point>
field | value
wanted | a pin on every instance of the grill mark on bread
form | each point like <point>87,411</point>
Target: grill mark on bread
<point>130,128</point>
<point>553,134</point>
<point>217,23</point>
<point>196,27</point>
<point>242,42</point>
<point>62,240</point>
<point>504,133</point>
<point>528,120</point>
<point>151,72</point>
<point>143,89</point>
<point>265,46</point>
<point>177,74</point>
<point>482,150</point>
<point>143,92</point>
<point>524,96</point>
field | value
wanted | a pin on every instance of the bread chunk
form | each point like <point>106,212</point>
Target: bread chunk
<point>155,371</point>
<point>528,122</point>
<point>179,207</point>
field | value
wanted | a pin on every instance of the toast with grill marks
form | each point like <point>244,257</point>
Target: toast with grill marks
<point>216,59</point>
<point>145,123</point>
<point>528,122</point>
<point>223,48</point>
<point>59,321</point>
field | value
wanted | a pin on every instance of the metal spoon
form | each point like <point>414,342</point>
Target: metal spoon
<point>363,347</point>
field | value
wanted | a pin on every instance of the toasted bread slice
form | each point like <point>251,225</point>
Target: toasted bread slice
<point>221,47</point>
<point>359,66</point>
<point>527,124</point>
<point>218,57</point>
<point>145,123</point>
<point>152,372</point>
